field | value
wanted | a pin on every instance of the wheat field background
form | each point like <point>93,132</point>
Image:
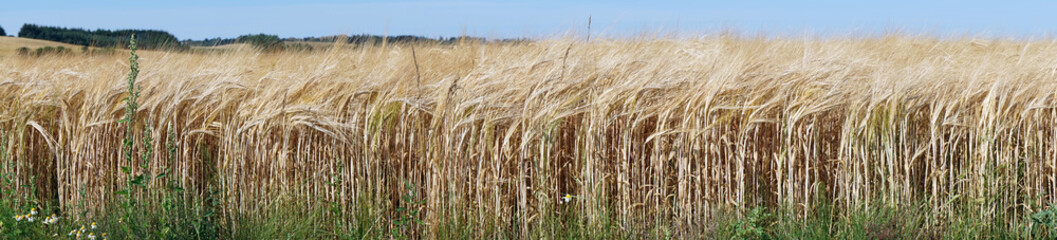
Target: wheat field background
<point>644,133</point>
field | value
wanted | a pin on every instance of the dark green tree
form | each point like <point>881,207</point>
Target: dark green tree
<point>264,42</point>
<point>2,33</point>
<point>148,39</point>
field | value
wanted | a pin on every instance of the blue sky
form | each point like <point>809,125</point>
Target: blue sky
<point>197,19</point>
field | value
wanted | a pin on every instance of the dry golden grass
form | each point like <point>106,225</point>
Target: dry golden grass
<point>646,129</point>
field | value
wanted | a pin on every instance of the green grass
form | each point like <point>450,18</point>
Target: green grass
<point>911,221</point>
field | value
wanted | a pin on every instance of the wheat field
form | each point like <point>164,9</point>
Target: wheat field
<point>644,133</point>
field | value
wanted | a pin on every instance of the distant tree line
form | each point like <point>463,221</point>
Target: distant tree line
<point>145,39</point>
<point>208,42</point>
<point>2,33</point>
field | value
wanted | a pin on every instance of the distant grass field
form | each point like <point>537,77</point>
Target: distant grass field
<point>715,137</point>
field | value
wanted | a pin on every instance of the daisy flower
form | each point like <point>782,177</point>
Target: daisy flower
<point>566,198</point>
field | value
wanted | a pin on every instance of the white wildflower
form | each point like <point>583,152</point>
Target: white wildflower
<point>51,220</point>
<point>566,198</point>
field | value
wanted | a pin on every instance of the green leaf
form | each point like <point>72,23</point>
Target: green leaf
<point>126,169</point>
<point>138,181</point>
<point>122,192</point>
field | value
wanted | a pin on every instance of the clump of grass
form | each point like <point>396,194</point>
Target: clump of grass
<point>44,51</point>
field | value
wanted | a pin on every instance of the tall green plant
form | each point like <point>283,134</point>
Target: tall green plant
<point>131,104</point>
<point>172,216</point>
<point>136,172</point>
